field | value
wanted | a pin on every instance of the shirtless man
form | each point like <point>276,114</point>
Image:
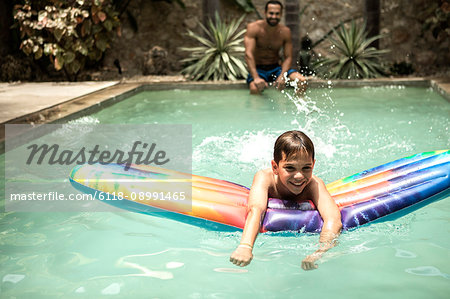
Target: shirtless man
<point>263,41</point>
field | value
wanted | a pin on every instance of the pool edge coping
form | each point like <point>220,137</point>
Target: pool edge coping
<point>97,100</point>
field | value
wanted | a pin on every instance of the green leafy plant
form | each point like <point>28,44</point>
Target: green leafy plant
<point>221,53</point>
<point>353,57</point>
<point>70,32</point>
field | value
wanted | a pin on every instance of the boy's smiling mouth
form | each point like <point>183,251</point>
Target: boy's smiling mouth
<point>297,184</point>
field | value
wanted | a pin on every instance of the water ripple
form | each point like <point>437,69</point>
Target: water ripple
<point>230,270</point>
<point>405,254</point>
<point>427,271</point>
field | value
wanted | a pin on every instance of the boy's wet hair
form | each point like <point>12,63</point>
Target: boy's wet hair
<point>292,143</point>
<point>273,2</point>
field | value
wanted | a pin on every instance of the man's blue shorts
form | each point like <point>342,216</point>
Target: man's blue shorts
<point>268,72</point>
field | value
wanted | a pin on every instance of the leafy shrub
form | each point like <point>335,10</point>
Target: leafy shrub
<point>70,32</point>
<point>221,53</point>
<point>353,57</point>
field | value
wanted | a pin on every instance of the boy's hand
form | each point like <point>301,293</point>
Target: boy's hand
<point>241,256</point>
<point>309,262</point>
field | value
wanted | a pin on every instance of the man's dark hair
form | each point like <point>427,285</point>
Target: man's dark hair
<point>273,2</point>
<point>292,143</point>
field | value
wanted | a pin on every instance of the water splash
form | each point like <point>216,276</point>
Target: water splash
<point>249,150</point>
<point>323,125</point>
<point>85,120</point>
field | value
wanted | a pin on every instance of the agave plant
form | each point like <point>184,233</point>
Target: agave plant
<point>221,54</point>
<point>353,57</point>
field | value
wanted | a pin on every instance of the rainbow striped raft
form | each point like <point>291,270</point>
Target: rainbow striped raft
<point>217,204</point>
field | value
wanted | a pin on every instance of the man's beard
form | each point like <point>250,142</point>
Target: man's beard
<point>272,22</point>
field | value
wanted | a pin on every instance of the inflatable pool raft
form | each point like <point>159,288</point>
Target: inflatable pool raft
<point>218,204</point>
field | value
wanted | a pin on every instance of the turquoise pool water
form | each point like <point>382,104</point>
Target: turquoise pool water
<point>91,255</point>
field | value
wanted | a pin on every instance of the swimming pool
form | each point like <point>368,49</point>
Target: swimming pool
<point>132,255</point>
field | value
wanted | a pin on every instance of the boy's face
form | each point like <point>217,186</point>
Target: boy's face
<point>295,173</point>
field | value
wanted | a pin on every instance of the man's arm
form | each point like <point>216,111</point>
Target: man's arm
<point>332,224</point>
<point>257,205</point>
<point>250,48</point>
<point>287,62</point>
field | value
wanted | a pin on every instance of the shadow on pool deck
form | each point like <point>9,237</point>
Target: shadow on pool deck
<point>41,103</point>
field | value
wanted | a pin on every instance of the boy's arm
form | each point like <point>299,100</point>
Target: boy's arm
<point>332,224</point>
<point>257,205</point>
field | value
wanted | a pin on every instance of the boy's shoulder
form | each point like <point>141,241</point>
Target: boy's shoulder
<point>267,172</point>
<point>318,181</point>
<point>265,176</point>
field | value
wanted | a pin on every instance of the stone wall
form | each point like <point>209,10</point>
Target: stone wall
<point>164,25</point>
<point>402,22</point>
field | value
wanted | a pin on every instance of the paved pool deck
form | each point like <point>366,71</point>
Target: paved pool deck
<point>57,102</point>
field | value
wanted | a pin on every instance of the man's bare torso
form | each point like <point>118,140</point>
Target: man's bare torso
<point>269,41</point>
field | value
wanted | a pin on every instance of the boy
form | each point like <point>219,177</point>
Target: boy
<point>289,178</point>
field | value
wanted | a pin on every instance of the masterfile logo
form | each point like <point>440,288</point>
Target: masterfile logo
<point>54,155</point>
<point>38,163</point>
